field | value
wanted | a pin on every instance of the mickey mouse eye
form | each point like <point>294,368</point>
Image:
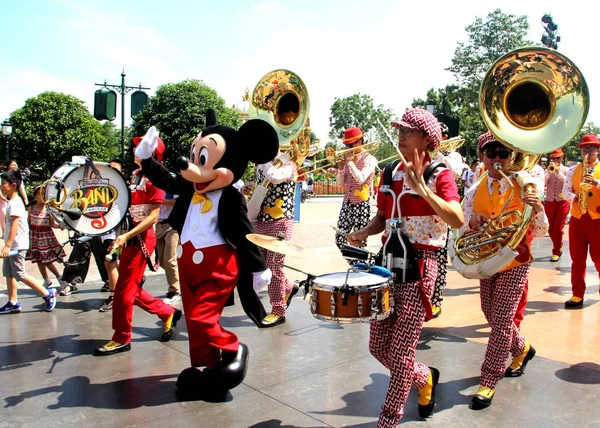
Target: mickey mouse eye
<point>203,156</point>
<point>193,154</point>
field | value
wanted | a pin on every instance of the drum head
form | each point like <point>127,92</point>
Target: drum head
<point>355,279</point>
<point>103,200</point>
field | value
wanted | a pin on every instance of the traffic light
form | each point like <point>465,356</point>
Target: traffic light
<point>105,104</point>
<point>138,100</point>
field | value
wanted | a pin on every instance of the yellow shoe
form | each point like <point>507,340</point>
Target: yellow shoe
<point>554,258</point>
<point>272,320</point>
<point>574,302</point>
<point>427,393</point>
<point>517,367</point>
<point>436,311</point>
<point>170,326</point>
<point>483,398</point>
<point>112,347</point>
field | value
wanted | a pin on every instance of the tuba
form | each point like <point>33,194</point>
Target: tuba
<point>280,98</point>
<point>533,100</point>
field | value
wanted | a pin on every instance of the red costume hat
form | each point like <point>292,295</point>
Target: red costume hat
<point>558,153</point>
<point>485,139</point>
<point>352,135</point>
<point>417,118</point>
<point>160,149</point>
<point>588,140</point>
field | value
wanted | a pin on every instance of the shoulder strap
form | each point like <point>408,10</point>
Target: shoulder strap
<point>387,172</point>
<point>431,169</point>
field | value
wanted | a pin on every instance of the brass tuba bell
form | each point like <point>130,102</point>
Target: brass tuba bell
<point>533,100</point>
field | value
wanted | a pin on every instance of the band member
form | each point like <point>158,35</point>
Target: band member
<point>501,293</point>
<point>584,227</point>
<point>356,173</point>
<point>276,218</point>
<point>138,243</point>
<point>427,209</point>
<point>557,208</point>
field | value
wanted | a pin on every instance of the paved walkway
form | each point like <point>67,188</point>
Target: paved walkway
<point>304,373</point>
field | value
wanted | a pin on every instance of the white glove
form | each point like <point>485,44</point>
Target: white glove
<point>261,279</point>
<point>148,144</point>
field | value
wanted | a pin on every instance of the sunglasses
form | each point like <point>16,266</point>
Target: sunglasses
<point>493,154</point>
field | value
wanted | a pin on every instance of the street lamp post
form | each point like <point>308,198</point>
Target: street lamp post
<point>6,131</point>
<point>122,89</point>
<point>431,106</point>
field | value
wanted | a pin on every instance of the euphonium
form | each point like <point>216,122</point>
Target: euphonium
<point>584,188</point>
<point>533,100</point>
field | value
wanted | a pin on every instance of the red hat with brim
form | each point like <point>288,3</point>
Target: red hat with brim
<point>485,139</point>
<point>160,149</point>
<point>352,135</point>
<point>558,153</point>
<point>589,140</point>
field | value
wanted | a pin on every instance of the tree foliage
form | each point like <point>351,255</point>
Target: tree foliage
<point>113,139</point>
<point>51,128</point>
<point>178,112</point>
<point>572,152</point>
<point>488,39</point>
<point>357,110</point>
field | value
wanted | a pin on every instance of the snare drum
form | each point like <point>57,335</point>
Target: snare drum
<point>368,297</point>
<point>103,198</point>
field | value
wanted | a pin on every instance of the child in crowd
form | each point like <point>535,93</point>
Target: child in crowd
<point>44,248</point>
<point>16,238</point>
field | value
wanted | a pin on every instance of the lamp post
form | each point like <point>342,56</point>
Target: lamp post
<point>549,38</point>
<point>6,131</point>
<point>122,89</point>
<point>431,106</point>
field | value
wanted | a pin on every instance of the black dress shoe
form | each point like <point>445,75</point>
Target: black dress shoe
<point>573,304</point>
<point>292,293</point>
<point>166,336</point>
<point>272,320</point>
<point>427,409</point>
<point>510,372</point>
<point>112,348</point>
<point>483,398</point>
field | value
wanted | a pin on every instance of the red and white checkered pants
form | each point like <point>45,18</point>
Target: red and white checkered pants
<point>279,285</point>
<point>393,342</point>
<point>500,297</point>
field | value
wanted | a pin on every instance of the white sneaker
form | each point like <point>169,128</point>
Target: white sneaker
<point>172,299</point>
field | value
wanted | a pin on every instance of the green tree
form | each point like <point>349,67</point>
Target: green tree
<point>572,152</point>
<point>488,39</point>
<point>358,110</point>
<point>113,139</point>
<point>178,112</point>
<point>51,128</point>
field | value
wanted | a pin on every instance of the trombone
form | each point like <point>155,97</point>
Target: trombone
<point>333,157</point>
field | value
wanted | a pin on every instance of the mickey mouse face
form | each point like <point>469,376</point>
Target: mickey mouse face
<point>205,153</point>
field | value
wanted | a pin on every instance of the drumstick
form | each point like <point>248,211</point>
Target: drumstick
<point>297,270</point>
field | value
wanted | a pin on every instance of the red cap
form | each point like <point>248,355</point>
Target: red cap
<point>160,149</point>
<point>352,135</point>
<point>485,139</point>
<point>588,140</point>
<point>558,153</point>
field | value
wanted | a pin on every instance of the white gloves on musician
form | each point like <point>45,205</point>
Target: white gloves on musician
<point>148,144</point>
<point>261,279</point>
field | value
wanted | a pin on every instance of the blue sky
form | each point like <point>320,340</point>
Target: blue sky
<point>391,50</point>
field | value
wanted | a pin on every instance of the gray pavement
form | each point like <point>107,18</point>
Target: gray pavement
<point>304,373</point>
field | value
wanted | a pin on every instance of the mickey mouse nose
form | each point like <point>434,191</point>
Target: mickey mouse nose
<point>182,163</point>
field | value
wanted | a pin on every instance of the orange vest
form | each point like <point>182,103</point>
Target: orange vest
<point>593,194</point>
<point>482,204</point>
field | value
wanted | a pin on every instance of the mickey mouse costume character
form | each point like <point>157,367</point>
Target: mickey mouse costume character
<point>214,255</point>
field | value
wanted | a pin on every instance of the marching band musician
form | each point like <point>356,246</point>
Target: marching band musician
<point>276,217</point>
<point>501,293</point>
<point>427,209</point>
<point>584,228</point>
<point>557,208</point>
<point>357,177</point>
<point>138,243</point>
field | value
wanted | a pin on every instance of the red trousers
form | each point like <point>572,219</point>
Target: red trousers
<point>128,291</point>
<point>584,235</point>
<point>393,342</point>
<point>207,277</point>
<point>279,285</point>
<point>500,296</point>
<point>557,215</point>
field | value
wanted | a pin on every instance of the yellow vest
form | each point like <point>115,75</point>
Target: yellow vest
<point>593,194</point>
<point>482,204</point>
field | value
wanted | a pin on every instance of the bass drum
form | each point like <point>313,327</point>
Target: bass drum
<point>97,189</point>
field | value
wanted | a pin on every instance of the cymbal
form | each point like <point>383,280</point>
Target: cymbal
<point>274,244</point>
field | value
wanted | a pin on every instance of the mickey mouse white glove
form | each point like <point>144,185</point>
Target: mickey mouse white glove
<point>148,144</point>
<point>261,279</point>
